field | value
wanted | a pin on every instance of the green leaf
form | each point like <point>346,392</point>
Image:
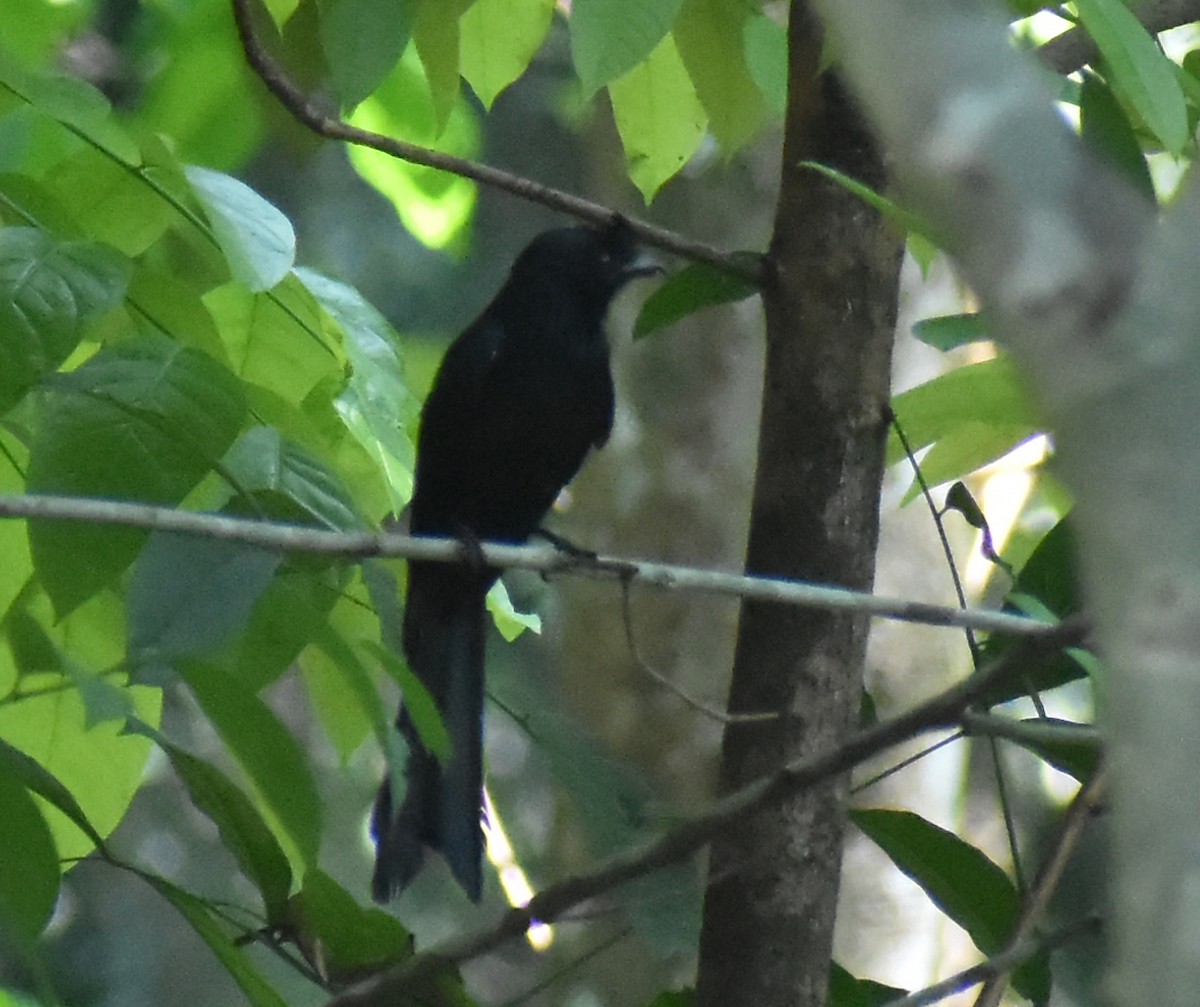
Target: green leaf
<point>363,40</point>
<point>35,777</point>
<point>846,990</point>
<point>274,339</point>
<point>351,940</point>
<point>694,287</point>
<point>29,872</point>
<point>273,477</point>
<point>376,405</point>
<point>659,116</point>
<point>257,239</point>
<point>508,621</point>
<point>268,754</point>
<point>1138,70</point>
<point>98,764</point>
<point>435,36</point>
<point>111,200</point>
<point>960,880</point>
<point>610,37</point>
<point>709,34</point>
<point>1106,130</point>
<point>766,48</point>
<point>144,420</point>
<point>232,956</point>
<point>50,290</point>
<point>189,595</point>
<point>435,206</point>
<point>243,832</point>
<point>983,407</point>
<point>949,332</point>
<point>74,104</point>
<point>497,41</point>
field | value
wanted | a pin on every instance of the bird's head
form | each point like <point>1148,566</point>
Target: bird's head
<point>584,263</point>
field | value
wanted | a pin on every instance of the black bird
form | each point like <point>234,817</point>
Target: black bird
<point>520,398</point>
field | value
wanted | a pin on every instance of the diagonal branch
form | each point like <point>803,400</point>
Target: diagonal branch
<point>1074,48</point>
<point>389,986</point>
<point>309,114</point>
<point>357,545</point>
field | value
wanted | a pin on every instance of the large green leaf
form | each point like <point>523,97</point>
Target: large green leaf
<point>363,40</point>
<point>709,34</point>
<point>610,37</point>
<point>376,405</point>
<point>659,116</point>
<point>257,239</point>
<point>971,415</point>
<point>272,477</point>
<point>960,880</point>
<point>98,765</point>
<point>1139,71</point>
<point>188,595</point>
<point>49,291</point>
<point>767,60</point>
<point>267,752</point>
<point>497,41</point>
<point>243,832</point>
<point>144,420</point>
<point>275,339</point>
<point>29,872</point>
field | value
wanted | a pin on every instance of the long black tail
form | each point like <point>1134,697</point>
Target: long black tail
<point>441,806</point>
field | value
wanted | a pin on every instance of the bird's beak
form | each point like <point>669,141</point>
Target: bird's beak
<point>642,264</point>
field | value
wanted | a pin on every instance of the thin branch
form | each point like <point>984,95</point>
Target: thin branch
<point>361,545</point>
<point>686,839</point>
<point>1078,815</point>
<point>309,114</point>
<point>1010,958</point>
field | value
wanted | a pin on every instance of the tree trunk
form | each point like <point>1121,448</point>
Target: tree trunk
<point>830,310</point>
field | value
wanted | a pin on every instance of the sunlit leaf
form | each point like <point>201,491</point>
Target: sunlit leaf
<point>659,117</point>
<point>257,239</point>
<point>498,38</point>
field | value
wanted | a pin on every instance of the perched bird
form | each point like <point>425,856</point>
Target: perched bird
<point>520,398</point>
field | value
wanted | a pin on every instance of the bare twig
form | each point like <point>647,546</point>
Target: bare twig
<point>692,835</point>
<point>363,544</point>
<point>310,114</point>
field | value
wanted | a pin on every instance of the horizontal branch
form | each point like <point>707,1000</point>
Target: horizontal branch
<point>308,113</point>
<point>681,842</point>
<point>361,545</point>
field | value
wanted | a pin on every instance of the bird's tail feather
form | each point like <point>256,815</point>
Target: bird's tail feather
<point>441,804</point>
